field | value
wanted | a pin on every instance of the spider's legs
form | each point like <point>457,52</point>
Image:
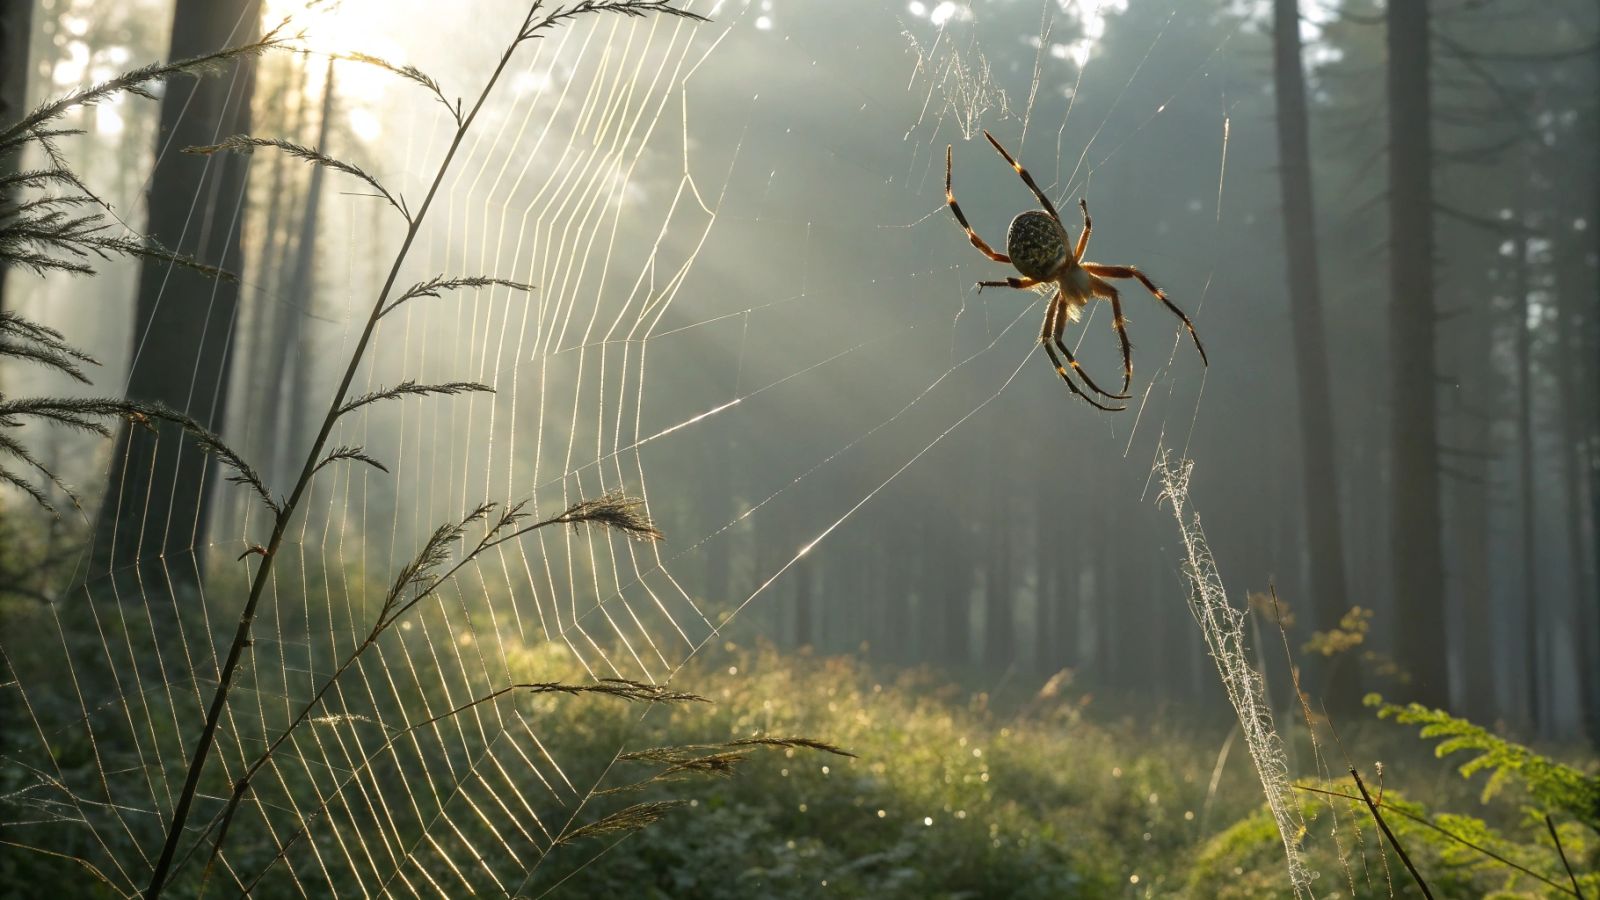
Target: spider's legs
<point>1120,323</point>
<point>950,198</point>
<point>1055,335</point>
<point>1083,238</point>
<point>1027,179</point>
<point>1020,284</point>
<point>1131,272</point>
<point>1056,315</point>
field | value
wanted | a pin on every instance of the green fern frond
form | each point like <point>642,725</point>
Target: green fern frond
<point>1551,784</point>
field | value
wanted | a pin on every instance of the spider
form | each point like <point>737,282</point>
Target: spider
<point>1038,246</point>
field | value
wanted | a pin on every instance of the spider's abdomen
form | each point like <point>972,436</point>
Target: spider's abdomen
<point>1036,244</point>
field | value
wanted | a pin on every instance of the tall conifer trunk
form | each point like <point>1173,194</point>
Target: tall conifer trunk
<point>1320,474</point>
<point>1415,552</point>
<point>156,503</point>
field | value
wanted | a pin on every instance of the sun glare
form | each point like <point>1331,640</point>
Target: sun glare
<point>337,28</point>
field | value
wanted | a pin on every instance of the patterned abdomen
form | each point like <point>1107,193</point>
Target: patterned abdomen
<point>1036,244</point>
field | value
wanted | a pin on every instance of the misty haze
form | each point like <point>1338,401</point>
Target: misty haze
<point>797,448</point>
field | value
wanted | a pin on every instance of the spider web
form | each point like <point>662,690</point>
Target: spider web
<point>643,175</point>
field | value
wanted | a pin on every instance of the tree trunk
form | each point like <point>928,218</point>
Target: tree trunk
<point>155,504</point>
<point>1527,490</point>
<point>999,627</point>
<point>1590,453</point>
<point>1416,554</point>
<point>1569,365</point>
<point>893,561</point>
<point>1049,596</point>
<point>1320,472</point>
<point>804,604</point>
<point>302,294</point>
<point>1479,660</point>
<point>956,590</point>
<point>16,31</point>
<point>271,310</point>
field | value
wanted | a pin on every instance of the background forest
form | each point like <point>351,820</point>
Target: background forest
<point>564,451</point>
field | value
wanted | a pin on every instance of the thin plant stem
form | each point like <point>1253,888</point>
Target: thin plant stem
<point>1393,841</point>
<point>1551,824</point>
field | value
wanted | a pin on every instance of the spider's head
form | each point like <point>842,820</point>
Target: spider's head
<point>1036,244</point>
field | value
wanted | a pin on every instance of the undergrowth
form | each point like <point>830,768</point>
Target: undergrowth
<point>947,797</point>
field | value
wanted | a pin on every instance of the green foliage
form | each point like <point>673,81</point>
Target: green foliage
<point>1344,845</point>
<point>1553,786</point>
<point>1506,852</point>
<point>945,797</point>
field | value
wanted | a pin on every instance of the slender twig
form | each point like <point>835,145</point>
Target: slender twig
<point>1420,820</point>
<point>1393,841</point>
<point>1551,824</point>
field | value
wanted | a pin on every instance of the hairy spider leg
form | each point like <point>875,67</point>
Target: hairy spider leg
<point>1132,272</point>
<point>1119,322</point>
<point>950,198</point>
<point>1056,333</point>
<point>1052,325</point>
<point>1028,180</point>
<point>1083,237</point>
<point>1012,281</point>
<point>1056,330</point>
